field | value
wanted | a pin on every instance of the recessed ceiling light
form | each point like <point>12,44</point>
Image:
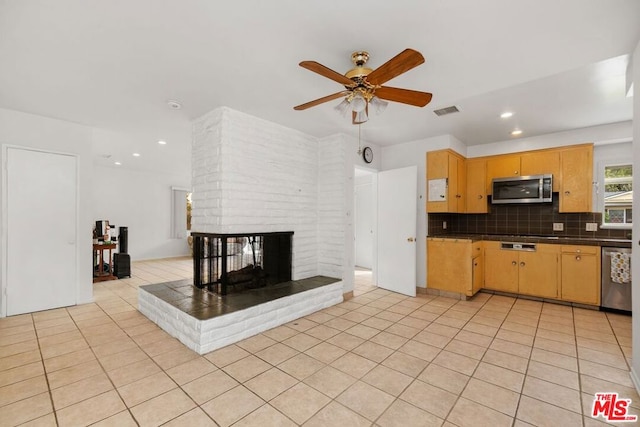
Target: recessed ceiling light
<point>136,154</point>
<point>516,132</point>
<point>506,115</point>
<point>161,142</point>
<point>174,104</point>
<point>117,163</point>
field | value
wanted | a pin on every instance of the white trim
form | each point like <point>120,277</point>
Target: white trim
<point>635,380</point>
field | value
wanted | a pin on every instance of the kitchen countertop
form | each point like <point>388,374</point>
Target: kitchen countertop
<point>559,240</point>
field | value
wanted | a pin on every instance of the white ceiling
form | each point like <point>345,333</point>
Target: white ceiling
<point>114,64</point>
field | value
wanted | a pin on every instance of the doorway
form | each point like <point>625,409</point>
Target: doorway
<point>365,220</point>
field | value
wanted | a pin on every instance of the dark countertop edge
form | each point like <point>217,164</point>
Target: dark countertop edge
<point>587,241</point>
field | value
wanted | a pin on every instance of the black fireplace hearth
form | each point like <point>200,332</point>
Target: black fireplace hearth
<point>228,263</point>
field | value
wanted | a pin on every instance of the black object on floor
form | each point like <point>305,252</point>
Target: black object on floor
<point>121,265</point>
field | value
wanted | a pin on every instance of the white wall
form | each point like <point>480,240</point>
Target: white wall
<point>415,153</point>
<point>635,262</point>
<point>614,132</point>
<point>142,202</point>
<point>27,130</point>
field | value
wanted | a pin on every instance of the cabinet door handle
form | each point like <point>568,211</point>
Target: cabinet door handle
<point>578,258</point>
<point>410,239</point>
<point>458,196</point>
<point>566,193</point>
<point>515,172</point>
<point>480,197</point>
<point>442,196</point>
<point>513,263</point>
<point>522,264</point>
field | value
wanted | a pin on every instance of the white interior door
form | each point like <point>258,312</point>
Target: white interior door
<point>41,203</point>
<point>397,190</point>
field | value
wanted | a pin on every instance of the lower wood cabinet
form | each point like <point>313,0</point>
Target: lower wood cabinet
<point>564,272</point>
<point>522,272</point>
<point>454,265</point>
<point>581,274</point>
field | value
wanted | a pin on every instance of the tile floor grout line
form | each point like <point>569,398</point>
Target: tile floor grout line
<point>573,323</point>
<point>44,369</point>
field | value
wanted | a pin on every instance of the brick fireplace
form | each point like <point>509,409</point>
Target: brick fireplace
<point>257,186</point>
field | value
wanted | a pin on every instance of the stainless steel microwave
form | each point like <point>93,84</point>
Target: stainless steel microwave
<point>522,189</point>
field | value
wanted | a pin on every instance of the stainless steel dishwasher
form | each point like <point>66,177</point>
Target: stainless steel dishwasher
<point>616,293</point>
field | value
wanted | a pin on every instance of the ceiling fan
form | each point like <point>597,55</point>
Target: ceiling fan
<point>363,86</point>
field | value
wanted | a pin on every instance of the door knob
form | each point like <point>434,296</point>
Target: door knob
<point>410,239</point>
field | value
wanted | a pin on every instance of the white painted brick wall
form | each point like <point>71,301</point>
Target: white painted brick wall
<point>331,206</point>
<point>203,336</point>
<point>251,175</point>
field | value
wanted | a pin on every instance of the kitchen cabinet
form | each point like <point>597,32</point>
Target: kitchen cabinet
<point>542,163</point>
<point>446,180</point>
<point>581,274</point>
<point>454,265</point>
<point>476,189</point>
<point>500,268</point>
<point>503,166</point>
<point>524,272</point>
<point>576,189</point>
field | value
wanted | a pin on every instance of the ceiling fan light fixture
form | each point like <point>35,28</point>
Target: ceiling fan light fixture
<point>358,103</point>
<point>343,108</point>
<point>378,104</point>
<point>360,117</point>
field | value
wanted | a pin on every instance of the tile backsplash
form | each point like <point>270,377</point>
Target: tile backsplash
<point>533,219</point>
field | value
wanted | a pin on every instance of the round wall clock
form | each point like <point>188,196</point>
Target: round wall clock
<point>367,154</point>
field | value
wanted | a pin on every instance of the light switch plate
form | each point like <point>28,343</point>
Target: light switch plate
<point>591,226</point>
<point>558,226</point>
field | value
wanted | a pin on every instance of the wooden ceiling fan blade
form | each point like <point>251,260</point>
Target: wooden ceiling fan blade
<point>405,96</point>
<point>326,72</point>
<point>321,100</point>
<point>401,63</point>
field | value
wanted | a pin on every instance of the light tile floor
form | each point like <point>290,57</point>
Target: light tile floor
<point>378,359</point>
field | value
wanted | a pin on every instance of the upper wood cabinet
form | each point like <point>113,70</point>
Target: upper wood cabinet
<point>576,191</point>
<point>446,181</point>
<point>467,182</point>
<point>502,167</point>
<point>540,163</point>
<point>476,200</point>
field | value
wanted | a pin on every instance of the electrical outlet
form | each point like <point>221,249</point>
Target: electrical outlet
<point>558,226</point>
<point>444,225</point>
<point>591,226</point>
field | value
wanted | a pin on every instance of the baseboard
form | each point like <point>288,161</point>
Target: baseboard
<point>347,295</point>
<point>420,290</point>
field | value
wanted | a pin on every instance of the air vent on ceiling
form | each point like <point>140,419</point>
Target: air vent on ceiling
<point>446,110</point>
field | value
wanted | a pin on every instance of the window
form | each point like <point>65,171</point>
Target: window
<point>189,206</point>
<point>181,212</point>
<point>618,195</point>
